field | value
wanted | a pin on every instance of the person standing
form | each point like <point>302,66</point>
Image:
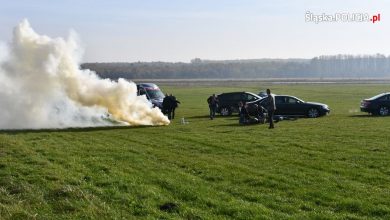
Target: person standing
<point>174,105</point>
<point>167,106</point>
<point>271,107</point>
<point>244,116</point>
<point>213,104</point>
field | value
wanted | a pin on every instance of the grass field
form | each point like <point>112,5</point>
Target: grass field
<point>333,167</point>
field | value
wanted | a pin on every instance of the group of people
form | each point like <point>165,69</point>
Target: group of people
<point>170,103</point>
<point>270,107</point>
<point>258,114</point>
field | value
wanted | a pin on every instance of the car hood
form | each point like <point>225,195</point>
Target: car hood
<point>317,103</point>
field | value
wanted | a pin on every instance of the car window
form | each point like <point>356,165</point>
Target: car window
<point>250,97</point>
<point>280,100</point>
<point>244,97</point>
<point>291,100</point>
<point>236,96</point>
<point>223,98</point>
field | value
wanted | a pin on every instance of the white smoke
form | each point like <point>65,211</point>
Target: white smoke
<point>42,86</point>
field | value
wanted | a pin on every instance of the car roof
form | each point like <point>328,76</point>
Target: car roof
<point>263,98</point>
<point>147,85</point>
<point>228,93</point>
<point>287,96</point>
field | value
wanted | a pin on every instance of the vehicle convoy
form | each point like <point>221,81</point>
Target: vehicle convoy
<point>376,105</point>
<point>152,92</point>
<point>292,106</point>
<point>228,102</point>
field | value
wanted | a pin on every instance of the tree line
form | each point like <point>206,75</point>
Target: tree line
<point>345,66</point>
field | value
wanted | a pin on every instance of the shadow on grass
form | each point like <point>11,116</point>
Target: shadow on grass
<point>366,116</point>
<point>239,125</point>
<point>208,116</point>
<point>85,129</point>
<point>266,123</point>
<point>199,116</point>
<point>228,125</point>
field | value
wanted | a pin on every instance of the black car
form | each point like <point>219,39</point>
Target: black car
<point>152,92</point>
<point>293,106</point>
<point>377,105</point>
<point>228,102</point>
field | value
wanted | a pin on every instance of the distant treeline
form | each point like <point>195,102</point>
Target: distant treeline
<point>346,66</point>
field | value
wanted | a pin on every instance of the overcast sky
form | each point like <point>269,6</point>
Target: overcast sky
<point>180,30</point>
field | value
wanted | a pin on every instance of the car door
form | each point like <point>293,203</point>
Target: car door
<point>295,106</point>
<point>280,102</point>
<point>236,98</point>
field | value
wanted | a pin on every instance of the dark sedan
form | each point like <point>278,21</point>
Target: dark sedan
<point>293,106</point>
<point>228,102</point>
<point>376,105</point>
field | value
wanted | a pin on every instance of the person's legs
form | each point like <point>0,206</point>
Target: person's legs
<point>211,111</point>
<point>173,113</point>
<point>241,121</point>
<point>271,119</point>
<point>214,110</point>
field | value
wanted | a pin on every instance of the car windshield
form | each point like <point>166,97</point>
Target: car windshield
<point>249,97</point>
<point>155,93</point>
<point>377,96</point>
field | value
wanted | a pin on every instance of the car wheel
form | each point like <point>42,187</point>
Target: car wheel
<point>313,113</point>
<point>383,111</point>
<point>225,111</point>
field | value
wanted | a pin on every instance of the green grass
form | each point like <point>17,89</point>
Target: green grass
<point>333,167</point>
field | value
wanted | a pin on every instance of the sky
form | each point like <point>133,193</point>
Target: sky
<point>180,30</point>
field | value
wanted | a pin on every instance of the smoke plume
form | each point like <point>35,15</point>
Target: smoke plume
<point>42,86</point>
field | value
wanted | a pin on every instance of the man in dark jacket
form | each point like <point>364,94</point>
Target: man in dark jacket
<point>167,106</point>
<point>174,104</point>
<point>271,107</point>
<point>213,104</point>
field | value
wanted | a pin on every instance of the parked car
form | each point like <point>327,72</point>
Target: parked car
<point>376,105</point>
<point>292,106</point>
<point>152,92</point>
<point>228,102</point>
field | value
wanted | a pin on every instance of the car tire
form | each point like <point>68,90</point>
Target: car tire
<point>313,113</point>
<point>225,111</point>
<point>383,111</point>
